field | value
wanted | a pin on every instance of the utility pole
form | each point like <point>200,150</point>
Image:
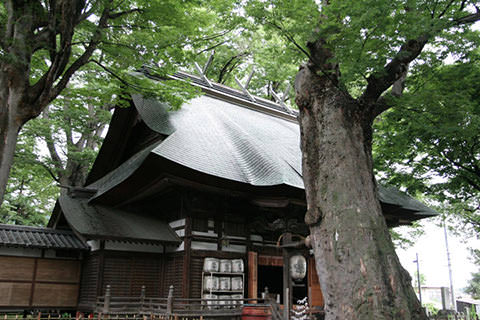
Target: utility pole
<point>454,305</point>
<point>417,261</point>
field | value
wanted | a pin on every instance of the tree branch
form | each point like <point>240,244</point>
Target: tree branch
<point>458,164</point>
<point>468,19</point>
<point>49,170</point>
<point>230,65</point>
<point>383,103</point>
<point>396,69</point>
<point>449,4</point>
<point>291,39</point>
<point>122,13</point>
<point>84,58</point>
<point>56,160</point>
<point>123,81</point>
<point>472,183</point>
<point>68,122</point>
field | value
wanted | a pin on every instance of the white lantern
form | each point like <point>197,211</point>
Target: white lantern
<point>298,267</point>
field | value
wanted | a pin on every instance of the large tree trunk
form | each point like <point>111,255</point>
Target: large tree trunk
<point>9,127</point>
<point>359,271</point>
<point>30,26</point>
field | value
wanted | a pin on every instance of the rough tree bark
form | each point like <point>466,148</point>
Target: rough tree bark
<point>359,271</point>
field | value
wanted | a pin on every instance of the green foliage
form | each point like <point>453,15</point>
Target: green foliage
<point>365,35</point>
<point>429,143</point>
<point>30,193</point>
<point>407,236</point>
<point>473,287</point>
<point>431,309</point>
<point>423,279</point>
<point>426,144</point>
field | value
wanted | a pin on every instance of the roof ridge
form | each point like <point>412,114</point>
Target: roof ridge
<point>227,90</point>
<point>231,94</point>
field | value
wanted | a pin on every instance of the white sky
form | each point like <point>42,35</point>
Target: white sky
<point>433,257</point>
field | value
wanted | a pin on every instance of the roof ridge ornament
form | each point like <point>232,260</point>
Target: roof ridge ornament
<point>244,87</point>
<point>281,101</point>
<point>203,71</point>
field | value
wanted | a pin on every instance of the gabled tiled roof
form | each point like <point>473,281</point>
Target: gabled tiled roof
<point>225,134</point>
<point>99,222</point>
<point>40,238</point>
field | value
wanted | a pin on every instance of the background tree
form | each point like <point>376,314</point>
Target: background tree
<point>473,287</point>
<point>430,143</point>
<point>57,149</point>
<point>31,191</point>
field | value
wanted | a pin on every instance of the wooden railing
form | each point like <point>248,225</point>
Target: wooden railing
<point>179,307</point>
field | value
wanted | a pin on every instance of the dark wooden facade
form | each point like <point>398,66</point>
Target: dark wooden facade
<point>209,225</point>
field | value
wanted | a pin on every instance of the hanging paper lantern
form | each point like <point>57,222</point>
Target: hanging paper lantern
<point>298,267</point>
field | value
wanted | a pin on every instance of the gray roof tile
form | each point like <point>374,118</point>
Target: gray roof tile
<point>231,139</point>
<point>37,237</point>
<point>98,222</point>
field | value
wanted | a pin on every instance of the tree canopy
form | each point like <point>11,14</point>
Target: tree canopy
<point>430,143</point>
<point>43,44</point>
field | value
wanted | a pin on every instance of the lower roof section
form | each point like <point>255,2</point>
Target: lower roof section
<point>39,238</point>
<point>98,222</point>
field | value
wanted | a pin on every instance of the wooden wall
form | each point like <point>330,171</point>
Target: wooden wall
<point>38,282</point>
<point>173,275</point>
<point>89,285</point>
<point>127,272</point>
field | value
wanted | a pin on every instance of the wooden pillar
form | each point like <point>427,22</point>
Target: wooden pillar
<point>34,278</point>
<point>142,296</point>
<point>252,274</point>
<point>101,264</point>
<point>248,234</point>
<point>315,295</point>
<point>218,230</point>
<point>287,281</point>
<point>187,245</point>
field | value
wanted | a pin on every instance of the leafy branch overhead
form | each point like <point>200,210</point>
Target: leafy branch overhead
<point>430,142</point>
<point>43,44</point>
